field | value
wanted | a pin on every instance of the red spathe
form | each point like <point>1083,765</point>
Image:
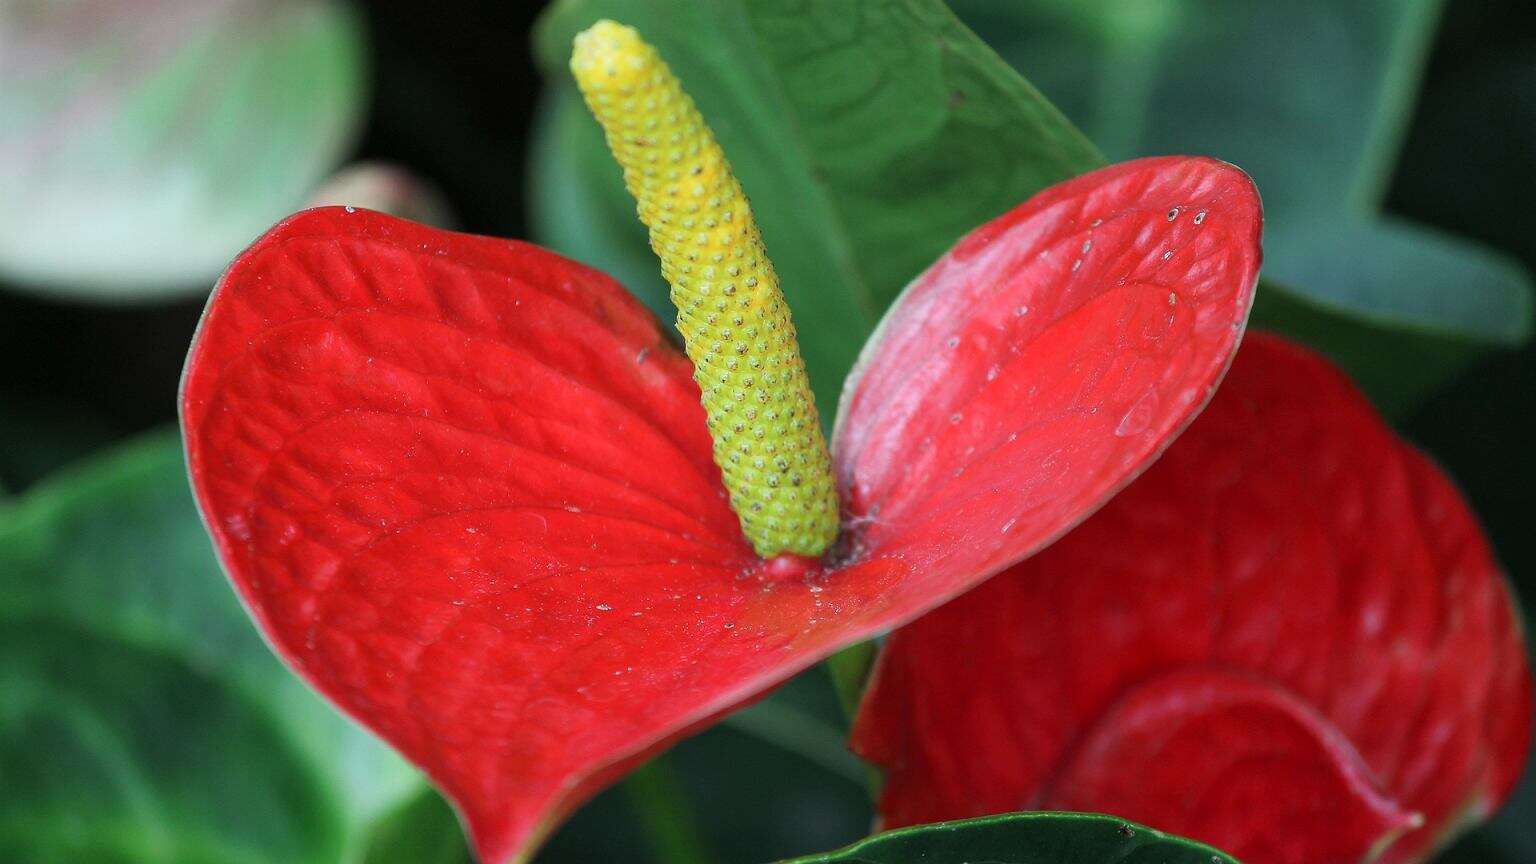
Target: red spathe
<point>1288,639</point>
<point>465,486</point>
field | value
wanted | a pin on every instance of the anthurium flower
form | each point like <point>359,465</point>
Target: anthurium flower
<point>1288,639</point>
<point>472,494</point>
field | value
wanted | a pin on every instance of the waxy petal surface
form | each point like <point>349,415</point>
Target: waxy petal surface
<point>466,488</point>
<point>1289,635</point>
<point>1045,360</point>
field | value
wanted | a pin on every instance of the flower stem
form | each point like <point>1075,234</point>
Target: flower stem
<point>849,669</point>
<point>669,822</point>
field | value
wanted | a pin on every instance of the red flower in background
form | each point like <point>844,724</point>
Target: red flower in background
<point>1288,639</point>
<point>466,489</point>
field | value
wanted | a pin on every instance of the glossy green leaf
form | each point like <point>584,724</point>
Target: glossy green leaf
<point>868,135</point>
<point>142,147</point>
<point>1025,838</point>
<point>115,550</point>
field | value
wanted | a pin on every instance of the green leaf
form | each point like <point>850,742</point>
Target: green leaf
<point>868,135</point>
<point>112,752</point>
<point>580,204</point>
<point>1025,838</point>
<point>422,830</point>
<point>1480,295</point>
<point>1399,346</point>
<point>115,549</point>
<point>139,152</point>
<point>1311,98</point>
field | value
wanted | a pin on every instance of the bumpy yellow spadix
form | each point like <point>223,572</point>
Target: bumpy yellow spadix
<point>735,323</point>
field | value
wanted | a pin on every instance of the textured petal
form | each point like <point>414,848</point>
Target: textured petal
<point>1289,537</point>
<point>1045,361</point>
<point>1244,764</point>
<point>466,489</point>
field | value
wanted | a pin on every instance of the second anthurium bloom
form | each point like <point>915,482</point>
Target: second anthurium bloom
<point>1288,639</point>
<point>474,496</point>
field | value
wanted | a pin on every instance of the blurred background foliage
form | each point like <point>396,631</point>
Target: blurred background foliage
<point>143,143</point>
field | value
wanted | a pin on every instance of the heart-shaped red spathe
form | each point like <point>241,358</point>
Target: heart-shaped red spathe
<point>1288,639</point>
<point>465,485</point>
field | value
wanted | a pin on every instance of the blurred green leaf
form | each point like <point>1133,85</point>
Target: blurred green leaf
<point>1399,345</point>
<point>114,550</point>
<point>142,147</point>
<point>1311,98</point>
<point>1480,296</point>
<point>422,830</point>
<point>579,202</point>
<point>112,752</point>
<point>1025,838</point>
<point>869,136</point>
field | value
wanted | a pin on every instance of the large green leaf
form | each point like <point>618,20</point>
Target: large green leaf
<point>868,135</point>
<point>115,551</point>
<point>1399,346</point>
<point>1025,838</point>
<point>142,147</point>
<point>1311,98</point>
<point>114,753</point>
